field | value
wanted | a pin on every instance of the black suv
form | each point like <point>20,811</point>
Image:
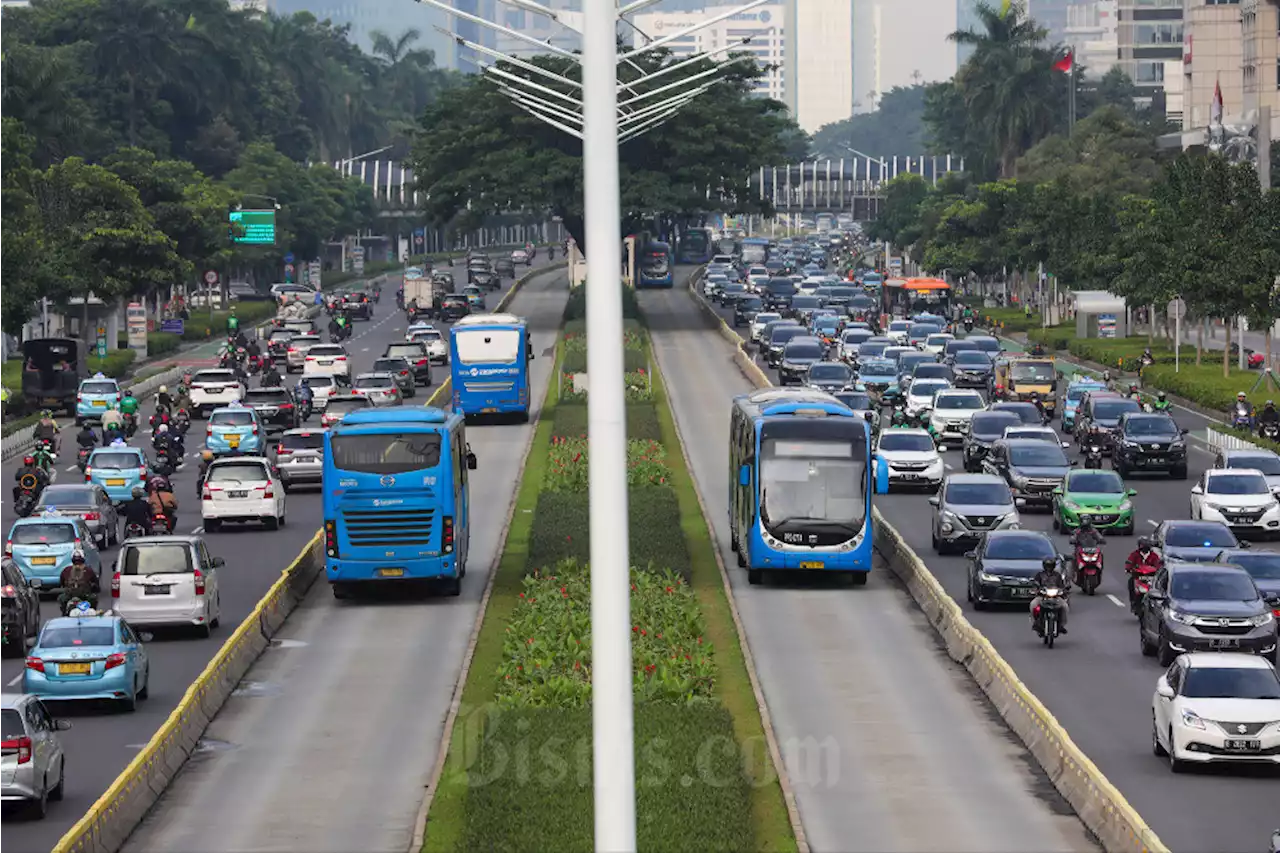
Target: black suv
<point>1032,468</point>
<point>400,368</point>
<point>1102,412</point>
<point>21,612</point>
<point>454,307</point>
<point>1149,442</point>
<point>415,353</point>
<point>487,279</point>
<point>746,309</point>
<point>504,267</point>
<point>985,429</point>
<point>274,406</point>
<point>358,306</point>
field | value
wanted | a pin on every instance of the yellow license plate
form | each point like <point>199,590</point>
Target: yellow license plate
<point>488,411</point>
<point>115,482</point>
<point>43,561</point>
<point>233,442</point>
<point>73,669</point>
<point>100,402</point>
<point>391,573</point>
<point>812,565</point>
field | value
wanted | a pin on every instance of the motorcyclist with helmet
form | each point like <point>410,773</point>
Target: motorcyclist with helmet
<point>1037,349</point>
<point>305,396</point>
<point>1269,415</point>
<point>164,400</point>
<point>1141,560</point>
<point>1162,403</point>
<point>271,375</point>
<point>47,430</point>
<point>899,420</point>
<point>1039,404</point>
<point>78,581</point>
<point>168,441</point>
<point>206,459</point>
<point>1050,577</point>
<point>86,438</point>
<point>162,501</point>
<point>29,466</point>
<point>129,411</point>
<point>1134,392</point>
<point>137,510</point>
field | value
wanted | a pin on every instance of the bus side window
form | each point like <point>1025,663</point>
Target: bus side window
<point>459,463</point>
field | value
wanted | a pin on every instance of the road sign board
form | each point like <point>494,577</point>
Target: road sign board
<point>253,227</point>
<point>211,277</point>
<point>1177,308</point>
<point>288,257</point>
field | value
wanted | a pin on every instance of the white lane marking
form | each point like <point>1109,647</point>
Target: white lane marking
<point>1153,522</point>
<point>949,466</point>
<point>364,349</point>
<point>1117,602</point>
<point>197,531</point>
<point>12,682</point>
<point>70,468</point>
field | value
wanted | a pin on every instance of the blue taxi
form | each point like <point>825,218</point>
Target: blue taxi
<point>95,396</point>
<point>1071,400</point>
<point>117,468</point>
<point>826,326</point>
<point>88,655</point>
<point>42,545</point>
<point>234,429</point>
<point>475,297</point>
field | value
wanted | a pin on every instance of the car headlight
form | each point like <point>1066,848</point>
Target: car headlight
<point>1125,506</point>
<point>1182,618</point>
<point>1178,445</point>
<point>986,578</point>
<point>1261,619</point>
<point>1191,719</point>
<point>1215,507</point>
<point>1019,481</point>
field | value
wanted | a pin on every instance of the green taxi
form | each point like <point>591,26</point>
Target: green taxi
<point>1100,495</point>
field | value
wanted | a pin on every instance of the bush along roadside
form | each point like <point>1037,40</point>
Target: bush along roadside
<point>518,775</point>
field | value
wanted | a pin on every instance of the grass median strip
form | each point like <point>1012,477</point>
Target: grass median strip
<point>518,775</point>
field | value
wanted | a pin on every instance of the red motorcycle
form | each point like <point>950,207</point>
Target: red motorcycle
<point>1140,577</point>
<point>1088,569</point>
<point>161,524</point>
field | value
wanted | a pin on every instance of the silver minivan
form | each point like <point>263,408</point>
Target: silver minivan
<point>167,580</point>
<point>33,767</point>
<point>968,506</point>
<point>300,457</point>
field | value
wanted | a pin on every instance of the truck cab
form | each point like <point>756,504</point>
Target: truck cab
<point>52,369</point>
<point>1023,376</point>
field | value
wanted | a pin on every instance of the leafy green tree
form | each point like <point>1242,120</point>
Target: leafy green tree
<point>895,128</point>
<point>1108,153</point>
<point>898,220</point>
<point>25,263</point>
<point>974,233</point>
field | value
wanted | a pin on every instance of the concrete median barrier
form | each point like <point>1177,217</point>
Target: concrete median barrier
<point>1102,808</point>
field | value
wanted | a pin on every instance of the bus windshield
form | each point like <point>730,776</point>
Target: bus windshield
<point>385,453</point>
<point>488,346</point>
<point>1031,371</point>
<point>811,482</point>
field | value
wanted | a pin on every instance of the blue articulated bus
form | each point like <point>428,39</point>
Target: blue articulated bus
<point>801,483</point>
<point>697,246</point>
<point>655,265</point>
<point>396,506</point>
<point>489,357</point>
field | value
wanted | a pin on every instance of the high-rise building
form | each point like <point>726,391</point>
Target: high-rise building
<point>1051,15</point>
<point>391,17</point>
<point>1260,55</point>
<point>904,42</point>
<point>819,72</point>
<point>1091,35</point>
<point>1149,48</point>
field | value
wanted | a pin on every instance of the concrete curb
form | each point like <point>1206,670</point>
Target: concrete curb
<point>1097,802</point>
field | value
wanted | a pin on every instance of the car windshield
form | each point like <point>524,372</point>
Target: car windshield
<point>115,461</point>
<point>326,351</point>
<point>1151,427</point>
<point>69,635</point>
<point>803,351</point>
<point>1033,371</point>
<point>1034,433</point>
<point>1231,682</point>
<point>979,493</point>
<point>347,404</point>
<point>750,303</point>
<point>991,425</point>
<point>428,335</point>
<point>972,358</point>
<point>1267,463</point>
<point>930,370</point>
<point>987,345</point>
<point>922,330</point>
<point>66,496</point>
<point>937,340</point>
<point>235,419</point>
<point>1019,546</point>
<point>927,388</point>
<point>785,333</point>
<point>767,318</point>
<point>1042,455</point>
<point>1075,392</point>
<point>871,349</point>
<point>895,439</point>
<point>1213,585</point>
<point>1237,484</point>
<point>1095,483</point>
<point>959,402</point>
<point>829,372</point>
<point>237,472</point>
<point>1263,565</point>
<point>302,441</point>
<point>1111,410</point>
<point>857,402</point>
<point>54,533</point>
<point>1026,413</point>
<point>876,368</point>
<point>391,365</point>
<point>410,351</point>
<point>99,388</point>
<point>806,303</point>
<point>263,396</point>
<point>1210,535</point>
<point>281,335</point>
<point>375,382</point>
<point>156,558</point>
<point>899,326</point>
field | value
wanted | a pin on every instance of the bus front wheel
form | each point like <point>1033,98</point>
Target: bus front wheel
<point>452,587</point>
<point>755,577</point>
<point>341,590</point>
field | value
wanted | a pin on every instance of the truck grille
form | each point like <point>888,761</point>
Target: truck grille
<point>389,527</point>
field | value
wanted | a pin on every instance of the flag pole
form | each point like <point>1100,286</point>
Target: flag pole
<point>1071,94</point>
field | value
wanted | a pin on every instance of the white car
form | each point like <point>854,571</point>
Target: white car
<point>1266,461</point>
<point>520,256</point>
<point>811,284</point>
<point>937,343</point>
<point>213,389</point>
<point>414,328</point>
<point>323,386</point>
<point>952,411</point>
<point>921,393</point>
<point>897,331</point>
<point>167,580</point>
<point>761,320</point>
<point>327,358</point>
<point>1217,707</point>
<point>242,488</point>
<point>434,341</point>
<point>1239,498</point>
<point>296,355</point>
<point>911,457</point>
<point>713,285</point>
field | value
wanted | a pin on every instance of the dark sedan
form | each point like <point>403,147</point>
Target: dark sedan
<point>357,305</point>
<point>1001,568</point>
<point>274,406</point>
<point>746,309</point>
<point>972,368</point>
<point>454,307</point>
<point>829,376</point>
<point>1262,566</point>
<point>415,353</point>
<point>1027,413</point>
<point>1032,468</point>
<point>797,357</point>
<point>1193,541</point>
<point>401,370</point>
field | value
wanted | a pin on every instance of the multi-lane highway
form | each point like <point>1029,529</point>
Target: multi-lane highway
<point>1097,683</point>
<point>330,740</point>
<point>889,745</point>
<point>99,744</point>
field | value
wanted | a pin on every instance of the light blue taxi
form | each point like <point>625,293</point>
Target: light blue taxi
<point>475,297</point>
<point>234,429</point>
<point>117,468</point>
<point>95,396</point>
<point>88,655</point>
<point>1071,400</point>
<point>42,546</point>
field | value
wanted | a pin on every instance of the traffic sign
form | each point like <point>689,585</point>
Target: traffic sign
<point>1177,308</point>
<point>211,277</point>
<point>288,258</point>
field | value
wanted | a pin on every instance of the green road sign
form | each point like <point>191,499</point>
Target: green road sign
<point>255,227</point>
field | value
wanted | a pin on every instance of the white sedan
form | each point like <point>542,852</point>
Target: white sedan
<point>242,488</point>
<point>1212,707</point>
<point>911,457</point>
<point>1238,497</point>
<point>921,393</point>
<point>434,341</point>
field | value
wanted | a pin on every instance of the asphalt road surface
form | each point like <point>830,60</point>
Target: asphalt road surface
<point>100,743</point>
<point>1097,683</point>
<point>331,737</point>
<point>888,743</point>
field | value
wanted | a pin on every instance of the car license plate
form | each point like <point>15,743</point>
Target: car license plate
<point>239,493</point>
<point>1241,745</point>
<point>390,573</point>
<point>233,441</point>
<point>100,403</point>
<point>1224,643</point>
<point>909,476</point>
<point>157,589</point>
<point>1020,592</point>
<point>812,565</point>
<point>1239,519</point>
<point>325,362</point>
<point>1156,460</point>
<point>43,561</point>
<point>73,669</point>
<point>116,481</point>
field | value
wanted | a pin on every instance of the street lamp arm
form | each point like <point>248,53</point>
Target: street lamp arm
<point>516,61</point>
<point>525,81</point>
<point>574,132</point>
<point>697,57</point>
<point>516,34</point>
<point>541,104</point>
<point>716,69</point>
<point>674,100</point>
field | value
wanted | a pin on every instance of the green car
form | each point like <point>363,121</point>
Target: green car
<point>1100,495</point>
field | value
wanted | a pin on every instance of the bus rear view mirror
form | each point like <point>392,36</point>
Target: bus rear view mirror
<point>882,475</point>
<point>744,475</point>
<point>472,462</point>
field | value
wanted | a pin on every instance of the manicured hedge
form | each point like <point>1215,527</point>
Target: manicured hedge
<point>1117,353</point>
<point>576,309</point>
<point>562,524</point>
<point>633,360</point>
<point>116,363</point>
<point>203,326</point>
<point>1205,385</point>
<point>570,421</point>
<point>1009,320</point>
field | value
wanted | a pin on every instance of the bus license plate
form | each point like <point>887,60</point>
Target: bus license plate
<point>812,565</point>
<point>73,669</point>
<point>489,411</point>
<point>1238,745</point>
<point>390,573</point>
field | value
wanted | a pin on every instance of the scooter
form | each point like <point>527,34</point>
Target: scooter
<point>74,601</point>
<point>1269,431</point>
<point>130,423</point>
<point>28,494</point>
<point>1048,614</point>
<point>968,325</point>
<point>1140,578</point>
<point>1093,453</point>
<point>161,524</point>
<point>134,529</point>
<point>1088,569</point>
<point>1242,418</point>
<point>82,458</point>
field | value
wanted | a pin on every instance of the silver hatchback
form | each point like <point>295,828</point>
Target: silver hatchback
<point>300,457</point>
<point>968,506</point>
<point>33,764</point>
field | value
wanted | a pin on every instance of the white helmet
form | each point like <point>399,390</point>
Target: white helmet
<point>162,429</point>
<point>164,389</point>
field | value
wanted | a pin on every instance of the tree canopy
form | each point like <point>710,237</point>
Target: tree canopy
<point>894,129</point>
<point>476,153</point>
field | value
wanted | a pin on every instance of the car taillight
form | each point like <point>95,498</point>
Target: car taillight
<point>21,744</point>
<point>8,548</point>
<point>208,430</point>
<point>79,398</point>
<point>331,538</point>
<point>293,349</point>
<point>88,474</point>
<point>447,534</point>
<point>199,579</point>
<point>9,591</point>
<point>115,585</point>
<point>255,430</point>
<point>36,664</point>
<point>286,407</point>
<point>114,660</point>
<point>269,494</point>
<point>340,358</point>
<point>207,494</point>
<point>422,362</point>
<point>404,373</point>
<point>282,451</point>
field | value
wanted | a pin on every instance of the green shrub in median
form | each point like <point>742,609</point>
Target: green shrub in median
<point>562,529</point>
<point>570,421</point>
<point>115,364</point>
<point>1011,319</point>
<point>568,468</point>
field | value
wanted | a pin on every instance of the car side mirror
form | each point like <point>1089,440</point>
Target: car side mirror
<point>1074,462</point>
<point>1184,431</point>
<point>1273,601</point>
<point>61,725</point>
<point>1058,491</point>
<point>472,462</point>
<point>1196,490</point>
<point>218,562</point>
<point>934,500</point>
<point>1132,493</point>
<point>1163,688</point>
<point>1246,545</point>
<point>1156,595</point>
<point>971,555</point>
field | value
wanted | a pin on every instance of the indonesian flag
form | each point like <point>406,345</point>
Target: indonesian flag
<point>1215,109</point>
<point>1066,63</point>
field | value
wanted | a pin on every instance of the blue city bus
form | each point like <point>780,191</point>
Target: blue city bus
<point>655,266</point>
<point>801,477</point>
<point>396,505</point>
<point>489,357</point>
<point>697,246</point>
<point>754,250</point>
